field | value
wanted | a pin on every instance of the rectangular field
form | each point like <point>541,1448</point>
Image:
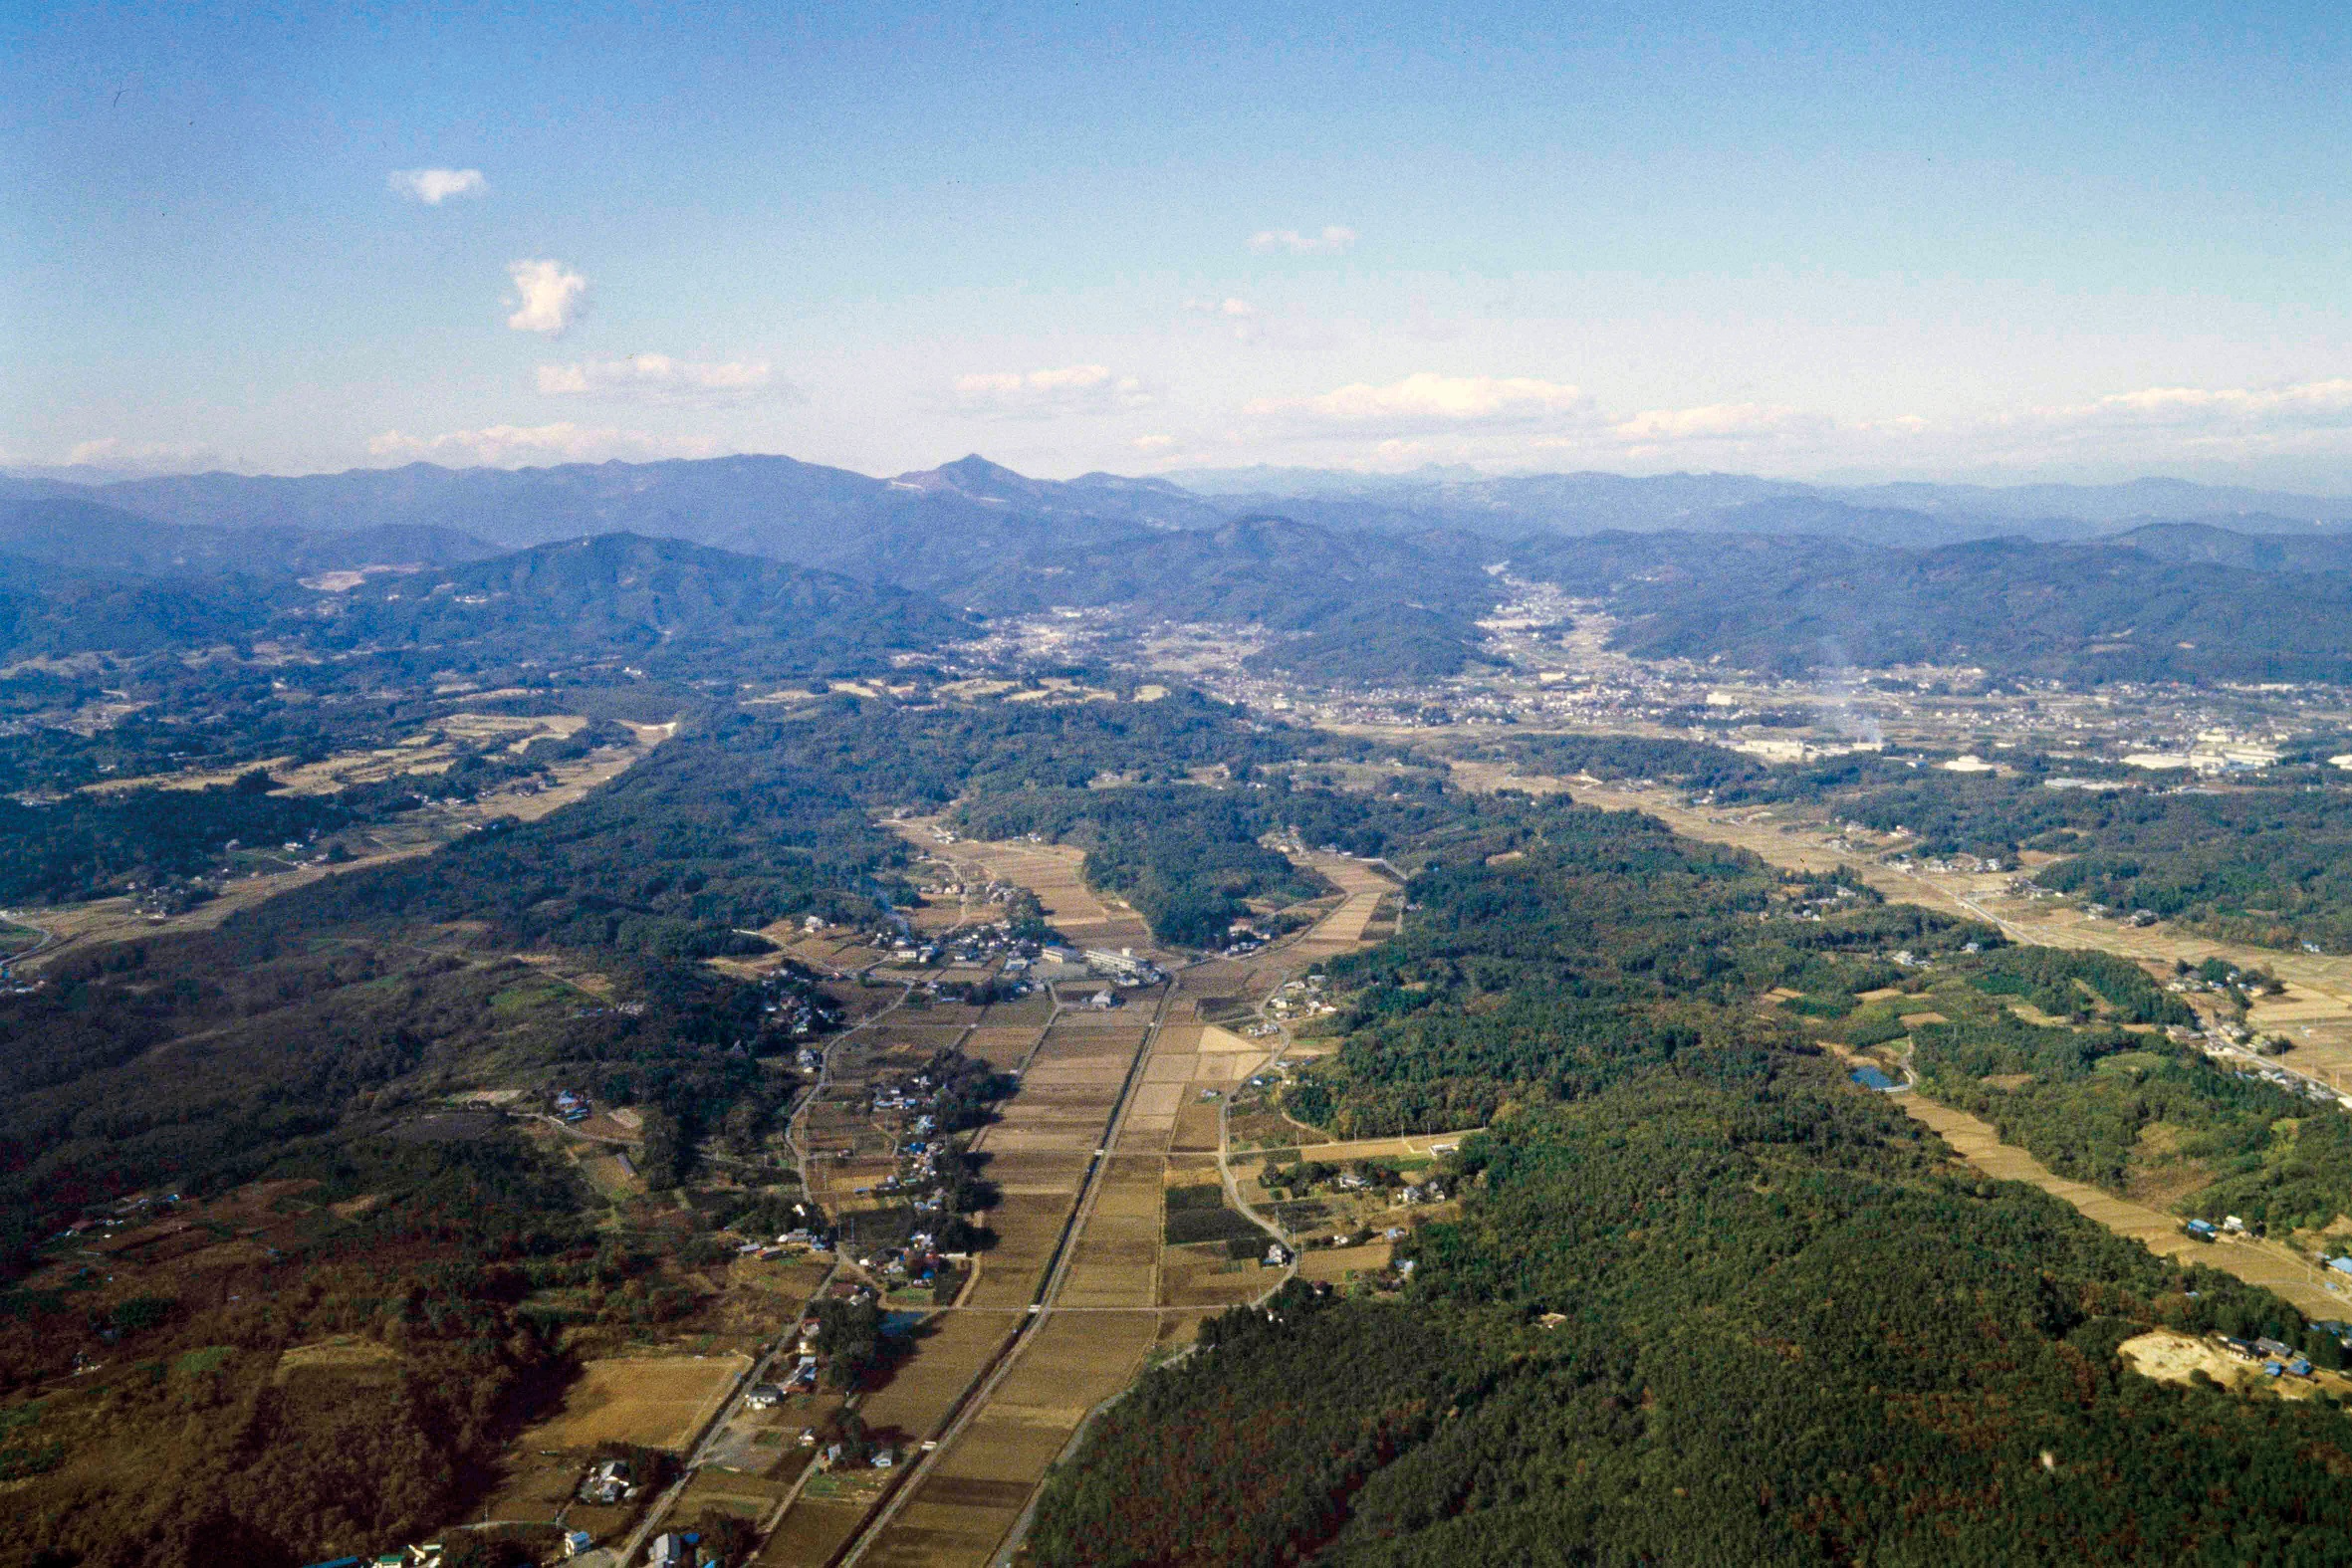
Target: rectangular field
<point>971,1499</point>
<point>658,1401</point>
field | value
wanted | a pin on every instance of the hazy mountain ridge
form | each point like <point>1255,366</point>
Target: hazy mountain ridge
<point>1379,584</point>
<point>780,507</point>
<point>84,537</point>
<point>2095,610</point>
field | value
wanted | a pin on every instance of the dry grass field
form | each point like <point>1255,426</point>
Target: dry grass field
<point>812,1531</point>
<point>1342,930</point>
<point>1116,1262</point>
<point>658,1401</point>
<point>950,1350</point>
<point>1052,873</point>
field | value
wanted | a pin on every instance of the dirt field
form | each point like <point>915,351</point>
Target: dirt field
<point>660,1401</point>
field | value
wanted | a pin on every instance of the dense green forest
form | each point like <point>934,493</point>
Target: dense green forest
<point>2267,862</point>
<point>2093,1087</point>
<point>665,606</point>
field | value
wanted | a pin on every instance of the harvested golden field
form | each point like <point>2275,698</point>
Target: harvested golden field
<point>658,1401</point>
<point>1338,1264</point>
<point>950,1350</point>
<point>964,1506</point>
<point>812,1531</point>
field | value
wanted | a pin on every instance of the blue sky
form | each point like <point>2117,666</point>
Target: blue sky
<point>2015,242</point>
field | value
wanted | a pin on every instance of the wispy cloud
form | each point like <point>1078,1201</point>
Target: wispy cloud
<point>548,297</point>
<point>117,455</point>
<point>658,379</point>
<point>1051,394</point>
<point>1427,401</point>
<point>1330,240</point>
<point>436,186</point>
<point>1718,422</point>
<point>2235,411</point>
<point>522,447</point>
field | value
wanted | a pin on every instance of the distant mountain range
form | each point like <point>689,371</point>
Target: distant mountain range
<point>829,517</point>
<point>1358,578</point>
<point>90,538</point>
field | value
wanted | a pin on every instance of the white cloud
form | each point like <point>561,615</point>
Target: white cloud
<point>1050,394</point>
<point>1231,309</point>
<point>520,446</point>
<point>1427,400</point>
<point>1334,239</point>
<point>658,379</point>
<point>2236,411</point>
<point>548,297</point>
<point>1153,444</point>
<point>436,186</point>
<point>1718,422</point>
<point>143,457</point>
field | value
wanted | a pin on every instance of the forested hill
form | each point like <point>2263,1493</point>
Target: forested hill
<point>2093,611</point>
<point>680,603</point>
<point>671,607</point>
<point>1707,1302</point>
<point>90,540</point>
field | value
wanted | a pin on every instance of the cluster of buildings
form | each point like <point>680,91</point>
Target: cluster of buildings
<point>1300,999</point>
<point>2226,1045</point>
<point>607,1482</point>
<point>789,1000</point>
<point>2277,1358</point>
